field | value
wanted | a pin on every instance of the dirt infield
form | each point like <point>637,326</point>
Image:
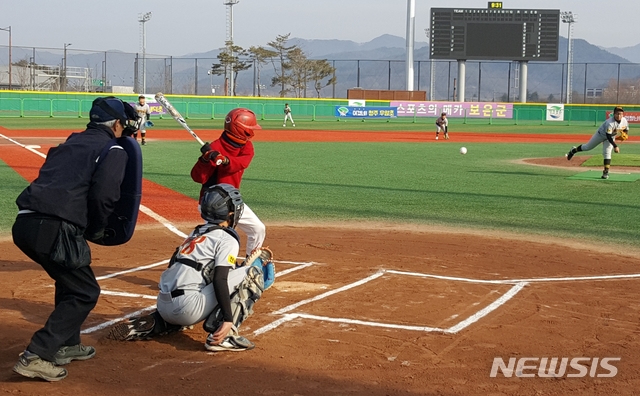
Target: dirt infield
<point>366,308</point>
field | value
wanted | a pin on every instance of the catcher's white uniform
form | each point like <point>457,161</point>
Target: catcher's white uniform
<point>186,296</point>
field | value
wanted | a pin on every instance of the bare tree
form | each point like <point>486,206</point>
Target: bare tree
<point>21,72</point>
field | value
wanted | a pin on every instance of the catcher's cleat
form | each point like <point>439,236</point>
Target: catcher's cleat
<point>605,175</point>
<point>571,153</point>
<point>135,329</point>
<point>233,343</point>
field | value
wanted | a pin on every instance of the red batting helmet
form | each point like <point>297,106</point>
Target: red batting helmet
<point>240,124</point>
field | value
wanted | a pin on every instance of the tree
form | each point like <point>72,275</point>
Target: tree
<point>22,72</point>
<point>282,50</point>
<point>533,96</point>
<point>260,56</point>
<point>321,69</point>
<point>229,59</point>
<point>299,68</point>
<point>551,98</point>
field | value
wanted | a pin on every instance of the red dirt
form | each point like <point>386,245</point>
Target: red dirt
<point>305,356</point>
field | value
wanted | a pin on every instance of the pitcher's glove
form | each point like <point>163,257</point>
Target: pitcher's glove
<point>262,257</point>
<point>622,136</point>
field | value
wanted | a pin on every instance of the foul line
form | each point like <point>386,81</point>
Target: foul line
<point>517,281</point>
<point>127,294</point>
<point>24,146</point>
<point>162,221</point>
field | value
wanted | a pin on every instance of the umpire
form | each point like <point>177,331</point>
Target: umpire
<point>68,204</point>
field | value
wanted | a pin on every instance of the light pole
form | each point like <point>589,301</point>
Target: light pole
<point>8,29</point>
<point>63,86</point>
<point>230,4</point>
<point>569,18</point>
<point>143,19</point>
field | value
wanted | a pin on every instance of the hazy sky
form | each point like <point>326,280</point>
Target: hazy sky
<point>189,26</point>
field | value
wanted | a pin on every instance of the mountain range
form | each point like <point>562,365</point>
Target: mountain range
<point>377,64</point>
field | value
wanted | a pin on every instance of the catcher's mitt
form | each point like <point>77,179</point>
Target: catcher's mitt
<point>263,257</point>
<point>622,136</point>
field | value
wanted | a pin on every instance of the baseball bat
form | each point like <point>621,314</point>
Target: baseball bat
<point>178,117</point>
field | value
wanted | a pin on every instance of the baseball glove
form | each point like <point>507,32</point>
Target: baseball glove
<point>622,136</point>
<point>263,257</point>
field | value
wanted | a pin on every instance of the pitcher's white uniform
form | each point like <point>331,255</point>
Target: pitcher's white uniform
<point>610,127</point>
<point>193,294</point>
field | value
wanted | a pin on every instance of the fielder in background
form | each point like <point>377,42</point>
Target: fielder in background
<point>67,204</point>
<point>614,128</point>
<point>142,108</point>
<point>225,160</point>
<point>287,115</point>
<point>442,125</point>
<point>204,281</point>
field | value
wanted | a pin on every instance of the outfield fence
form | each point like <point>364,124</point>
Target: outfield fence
<point>44,105</point>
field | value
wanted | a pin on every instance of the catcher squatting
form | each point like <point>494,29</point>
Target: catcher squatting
<point>614,128</point>
<point>204,282</point>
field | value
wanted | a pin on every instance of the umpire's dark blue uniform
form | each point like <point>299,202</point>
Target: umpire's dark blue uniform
<point>73,189</point>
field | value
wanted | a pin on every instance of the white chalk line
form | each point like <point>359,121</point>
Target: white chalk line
<point>136,269</point>
<point>516,281</point>
<point>127,294</point>
<point>162,221</point>
<point>329,293</point>
<point>276,323</point>
<point>488,309</point>
<point>24,146</point>
<point>114,321</point>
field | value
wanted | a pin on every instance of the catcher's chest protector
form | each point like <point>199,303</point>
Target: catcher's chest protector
<point>122,222</point>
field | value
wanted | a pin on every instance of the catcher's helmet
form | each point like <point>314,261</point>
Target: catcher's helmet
<point>240,124</point>
<point>222,202</point>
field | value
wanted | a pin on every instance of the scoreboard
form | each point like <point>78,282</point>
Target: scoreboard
<point>494,34</point>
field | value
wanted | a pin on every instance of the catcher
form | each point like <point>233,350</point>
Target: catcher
<point>204,281</point>
<point>614,128</point>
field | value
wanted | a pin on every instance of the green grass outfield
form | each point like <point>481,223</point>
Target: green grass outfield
<point>424,183</point>
<point>396,125</point>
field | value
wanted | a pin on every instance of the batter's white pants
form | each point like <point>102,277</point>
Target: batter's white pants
<point>288,117</point>
<point>250,224</point>
<point>595,140</point>
<point>194,306</point>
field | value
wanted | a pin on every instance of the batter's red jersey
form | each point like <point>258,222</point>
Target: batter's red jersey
<point>208,174</point>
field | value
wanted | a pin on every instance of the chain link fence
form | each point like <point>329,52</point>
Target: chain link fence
<point>69,69</point>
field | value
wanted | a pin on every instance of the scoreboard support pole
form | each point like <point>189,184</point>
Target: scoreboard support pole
<point>523,81</point>
<point>462,73</point>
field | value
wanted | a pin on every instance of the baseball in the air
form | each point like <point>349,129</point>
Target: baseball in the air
<point>463,150</point>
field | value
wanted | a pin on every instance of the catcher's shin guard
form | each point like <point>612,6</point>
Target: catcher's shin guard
<point>242,300</point>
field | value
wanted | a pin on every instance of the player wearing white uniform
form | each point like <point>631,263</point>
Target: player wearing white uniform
<point>287,115</point>
<point>606,135</point>
<point>203,281</point>
<point>143,111</point>
<point>442,125</point>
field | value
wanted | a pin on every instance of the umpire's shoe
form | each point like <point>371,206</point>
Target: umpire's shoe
<point>75,352</point>
<point>233,343</point>
<point>32,366</point>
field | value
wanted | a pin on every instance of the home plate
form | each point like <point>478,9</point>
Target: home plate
<point>32,146</point>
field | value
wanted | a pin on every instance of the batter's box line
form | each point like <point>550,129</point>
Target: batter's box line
<point>288,316</point>
<point>298,266</point>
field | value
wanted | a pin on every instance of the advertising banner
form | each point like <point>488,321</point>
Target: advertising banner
<point>454,109</point>
<point>365,112</point>
<point>555,112</point>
